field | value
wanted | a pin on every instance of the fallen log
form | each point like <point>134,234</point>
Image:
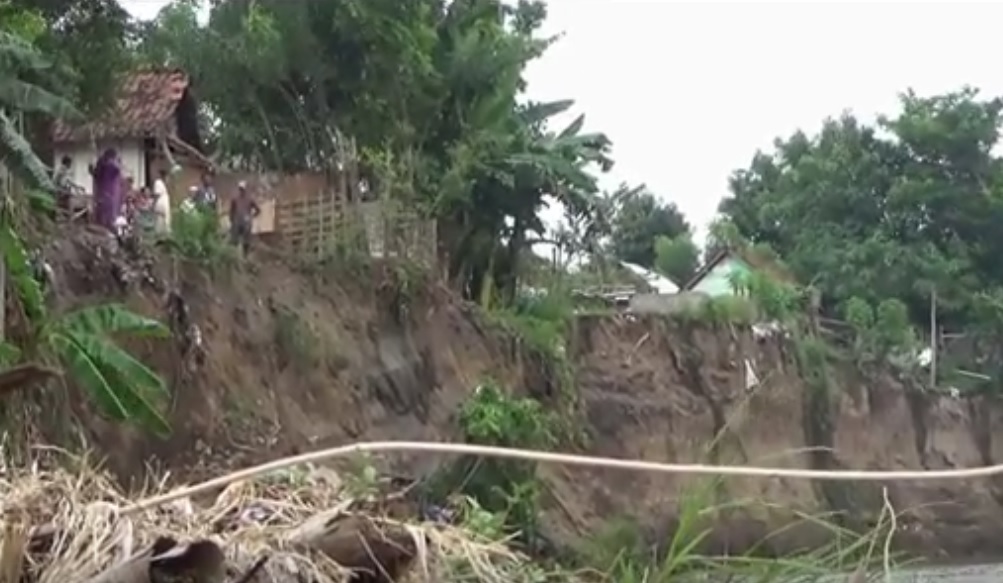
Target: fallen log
<point>374,550</point>
<point>166,561</point>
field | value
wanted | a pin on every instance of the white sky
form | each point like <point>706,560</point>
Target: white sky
<point>688,91</point>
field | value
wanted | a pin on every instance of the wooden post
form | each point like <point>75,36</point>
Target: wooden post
<point>933,339</point>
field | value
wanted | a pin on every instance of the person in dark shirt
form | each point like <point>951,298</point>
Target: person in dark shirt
<point>243,210</point>
<point>205,196</point>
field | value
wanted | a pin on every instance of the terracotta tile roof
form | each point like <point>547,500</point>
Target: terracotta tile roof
<point>146,100</point>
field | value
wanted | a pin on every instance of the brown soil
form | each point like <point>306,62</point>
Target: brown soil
<point>297,360</point>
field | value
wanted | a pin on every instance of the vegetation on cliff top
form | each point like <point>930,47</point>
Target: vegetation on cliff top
<point>861,213</point>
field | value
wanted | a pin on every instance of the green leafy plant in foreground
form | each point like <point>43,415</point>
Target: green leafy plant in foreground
<point>509,488</point>
<point>81,344</point>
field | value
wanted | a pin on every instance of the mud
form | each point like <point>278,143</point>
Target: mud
<point>297,359</point>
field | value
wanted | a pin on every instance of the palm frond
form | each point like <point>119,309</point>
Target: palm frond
<point>573,128</point>
<point>20,274</point>
<point>19,159</point>
<point>17,53</point>
<point>535,113</point>
<point>85,371</point>
<point>120,385</point>
<point>113,318</point>
<point>18,95</point>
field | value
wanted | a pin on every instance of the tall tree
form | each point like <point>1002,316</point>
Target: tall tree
<point>889,214</point>
<point>87,42</point>
<point>639,219</point>
<point>430,92</point>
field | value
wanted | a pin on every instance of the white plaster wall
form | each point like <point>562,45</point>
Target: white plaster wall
<point>85,154</point>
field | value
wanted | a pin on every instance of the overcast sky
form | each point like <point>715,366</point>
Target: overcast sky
<point>688,91</point>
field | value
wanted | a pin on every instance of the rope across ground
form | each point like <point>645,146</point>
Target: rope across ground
<point>76,525</point>
<point>563,459</point>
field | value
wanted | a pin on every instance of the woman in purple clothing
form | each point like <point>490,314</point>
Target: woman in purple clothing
<point>107,189</point>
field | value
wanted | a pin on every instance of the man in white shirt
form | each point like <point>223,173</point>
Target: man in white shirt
<point>161,204</point>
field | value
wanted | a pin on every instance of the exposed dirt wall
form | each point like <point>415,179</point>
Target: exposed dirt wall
<point>293,361</point>
<point>659,390</point>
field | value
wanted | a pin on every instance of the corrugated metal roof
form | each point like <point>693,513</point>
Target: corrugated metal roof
<point>662,284</point>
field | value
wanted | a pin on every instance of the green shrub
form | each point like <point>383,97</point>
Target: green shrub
<point>196,235</point>
<point>506,487</point>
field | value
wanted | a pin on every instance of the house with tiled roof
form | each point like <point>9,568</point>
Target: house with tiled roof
<point>152,122</point>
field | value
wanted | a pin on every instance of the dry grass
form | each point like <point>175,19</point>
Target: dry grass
<point>247,520</point>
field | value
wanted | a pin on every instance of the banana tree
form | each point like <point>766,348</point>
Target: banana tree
<point>17,57</point>
<point>80,345</point>
<point>556,165</point>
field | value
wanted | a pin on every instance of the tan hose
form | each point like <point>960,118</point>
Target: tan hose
<point>564,459</point>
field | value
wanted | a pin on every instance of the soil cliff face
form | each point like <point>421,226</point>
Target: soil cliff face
<point>659,390</point>
<point>290,360</point>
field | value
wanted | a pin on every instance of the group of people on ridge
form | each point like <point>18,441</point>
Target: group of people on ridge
<point>119,206</point>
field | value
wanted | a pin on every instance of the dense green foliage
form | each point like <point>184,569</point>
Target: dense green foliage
<point>508,488</point>
<point>893,211</point>
<point>429,94</point>
<point>639,218</point>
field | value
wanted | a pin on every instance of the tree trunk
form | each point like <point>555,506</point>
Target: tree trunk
<point>515,247</point>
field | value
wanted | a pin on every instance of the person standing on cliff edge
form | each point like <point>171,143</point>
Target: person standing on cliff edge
<point>107,175</point>
<point>243,210</point>
<point>161,204</point>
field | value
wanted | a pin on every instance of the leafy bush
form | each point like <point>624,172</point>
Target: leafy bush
<point>677,258</point>
<point>719,311</point>
<point>507,487</point>
<point>196,234</point>
<point>545,316</point>
<point>879,332</point>
<point>757,297</point>
<point>776,301</point>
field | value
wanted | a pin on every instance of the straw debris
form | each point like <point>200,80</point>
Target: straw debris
<point>61,526</point>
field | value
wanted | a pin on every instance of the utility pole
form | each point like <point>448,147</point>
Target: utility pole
<point>933,338</point>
